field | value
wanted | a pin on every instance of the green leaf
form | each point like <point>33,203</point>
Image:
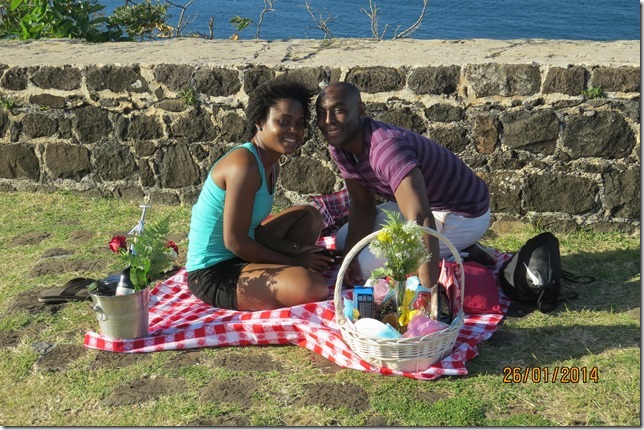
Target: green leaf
<point>15,4</point>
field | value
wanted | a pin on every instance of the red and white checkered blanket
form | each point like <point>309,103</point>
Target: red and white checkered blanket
<point>178,320</point>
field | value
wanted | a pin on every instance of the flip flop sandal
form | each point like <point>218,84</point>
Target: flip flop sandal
<point>73,290</point>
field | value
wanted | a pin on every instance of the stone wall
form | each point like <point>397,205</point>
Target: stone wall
<point>101,120</point>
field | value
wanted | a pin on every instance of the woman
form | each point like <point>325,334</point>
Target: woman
<point>236,258</point>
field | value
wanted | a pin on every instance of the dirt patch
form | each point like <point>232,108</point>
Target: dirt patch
<point>378,421</point>
<point>59,358</point>
<point>28,301</point>
<point>431,397</point>
<point>57,266</point>
<point>116,360</point>
<point>186,359</point>
<point>80,237</point>
<point>225,420</point>
<point>12,338</point>
<point>56,253</point>
<point>260,362</point>
<point>334,396</point>
<point>142,390</point>
<point>236,390</point>
<point>511,410</point>
<point>31,238</point>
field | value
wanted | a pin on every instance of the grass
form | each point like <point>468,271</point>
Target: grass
<point>600,329</point>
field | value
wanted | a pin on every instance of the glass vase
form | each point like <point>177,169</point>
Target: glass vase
<point>399,288</point>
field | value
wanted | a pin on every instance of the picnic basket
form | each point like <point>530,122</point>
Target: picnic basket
<point>411,354</point>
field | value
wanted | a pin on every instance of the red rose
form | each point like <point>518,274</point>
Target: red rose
<point>117,243</point>
<point>172,245</point>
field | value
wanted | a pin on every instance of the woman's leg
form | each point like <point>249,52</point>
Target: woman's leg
<point>271,286</point>
<point>301,224</point>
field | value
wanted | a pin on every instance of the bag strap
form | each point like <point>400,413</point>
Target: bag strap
<point>571,277</point>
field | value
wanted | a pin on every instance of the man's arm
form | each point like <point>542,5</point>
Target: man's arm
<point>362,216</point>
<point>411,196</point>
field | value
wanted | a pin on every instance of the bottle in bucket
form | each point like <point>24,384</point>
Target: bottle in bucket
<point>124,286</point>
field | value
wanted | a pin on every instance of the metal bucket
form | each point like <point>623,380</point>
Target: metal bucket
<point>123,317</point>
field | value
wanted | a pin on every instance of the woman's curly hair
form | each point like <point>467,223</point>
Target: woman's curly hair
<point>266,95</point>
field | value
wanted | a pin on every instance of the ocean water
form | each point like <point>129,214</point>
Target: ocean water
<point>598,20</point>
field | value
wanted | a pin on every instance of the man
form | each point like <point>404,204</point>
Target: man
<point>421,179</point>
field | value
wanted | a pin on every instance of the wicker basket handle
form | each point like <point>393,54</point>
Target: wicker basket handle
<point>368,238</point>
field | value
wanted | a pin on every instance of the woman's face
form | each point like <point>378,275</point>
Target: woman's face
<point>284,128</point>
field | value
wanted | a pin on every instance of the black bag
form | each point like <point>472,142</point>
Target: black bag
<point>533,275</point>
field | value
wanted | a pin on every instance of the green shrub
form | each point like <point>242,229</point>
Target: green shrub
<point>73,19</point>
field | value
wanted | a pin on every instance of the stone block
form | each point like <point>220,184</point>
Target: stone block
<point>14,79</point>
<point>255,76</point>
<point>146,173</point>
<point>65,78</point>
<point>625,79</point>
<point>38,125</point>
<point>196,126</point>
<point>66,161</point>
<point>164,198</point>
<point>176,77</point>
<point>622,194</point>
<point>143,127</point>
<point>91,124</point>
<point>559,193</point>
<point>492,79</point>
<point>144,148</point>
<point>556,224</point>
<point>113,161</point>
<point>178,168</point>
<point>376,79</point>
<point>603,134</point>
<point>505,192</point>
<point>130,194</point>
<point>535,131</point>
<point>217,81</point>
<point>47,100</point>
<point>453,138</point>
<point>485,131</point>
<point>508,160</point>
<point>444,113</point>
<point>403,117</point>
<point>565,80</point>
<point>233,128</point>
<point>19,162</point>
<point>117,79</point>
<point>311,77</point>
<point>307,176</point>
<point>435,80</point>
<point>4,122</point>
<point>172,105</point>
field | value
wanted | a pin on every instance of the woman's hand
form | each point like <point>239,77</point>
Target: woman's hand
<point>313,257</point>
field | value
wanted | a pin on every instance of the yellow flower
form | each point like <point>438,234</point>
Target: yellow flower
<point>384,236</point>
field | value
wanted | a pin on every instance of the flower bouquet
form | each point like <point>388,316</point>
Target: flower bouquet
<point>149,254</point>
<point>400,244</point>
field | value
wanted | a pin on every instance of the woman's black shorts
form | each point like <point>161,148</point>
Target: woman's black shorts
<point>217,285</point>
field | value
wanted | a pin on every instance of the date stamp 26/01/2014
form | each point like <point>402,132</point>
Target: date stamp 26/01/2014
<point>555,374</point>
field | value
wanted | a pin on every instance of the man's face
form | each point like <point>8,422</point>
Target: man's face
<point>338,115</point>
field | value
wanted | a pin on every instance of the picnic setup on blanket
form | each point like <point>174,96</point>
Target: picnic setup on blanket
<point>178,320</point>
